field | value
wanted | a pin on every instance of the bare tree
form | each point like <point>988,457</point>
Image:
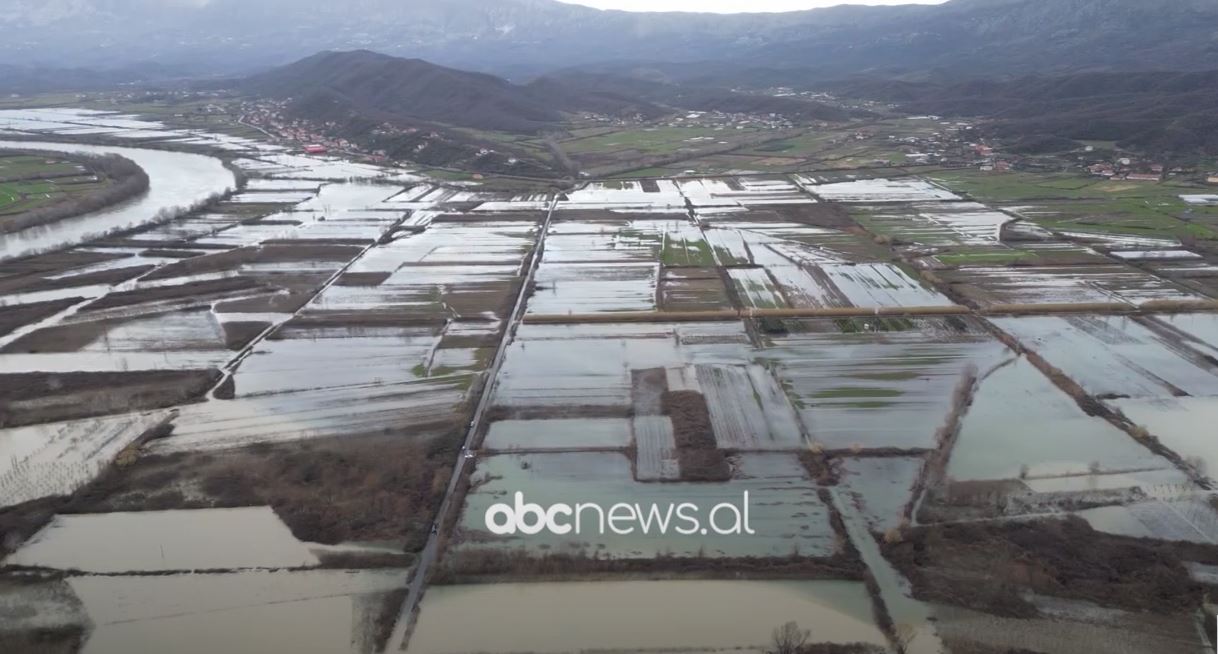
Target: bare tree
<point>789,639</point>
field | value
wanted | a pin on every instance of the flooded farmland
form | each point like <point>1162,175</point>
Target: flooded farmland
<point>283,420</point>
<point>708,618</point>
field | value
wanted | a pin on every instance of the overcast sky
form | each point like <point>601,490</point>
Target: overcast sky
<point>732,6</point>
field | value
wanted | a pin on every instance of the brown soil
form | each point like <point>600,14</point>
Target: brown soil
<point>239,334</point>
<point>825,470</point>
<point>832,215</point>
<point>697,452</point>
<point>29,284</point>
<point>362,279</point>
<point>269,303</point>
<point>35,397</point>
<point>195,291</point>
<point>53,262</point>
<point>384,488</point>
<point>987,565</point>
<point>69,337</point>
<point>314,320</point>
<point>19,523</point>
<point>20,315</point>
<point>229,260</point>
<point>59,640</point>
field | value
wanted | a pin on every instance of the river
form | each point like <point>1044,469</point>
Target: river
<point>176,179</point>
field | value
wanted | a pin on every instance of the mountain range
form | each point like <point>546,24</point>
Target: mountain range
<point>522,38</point>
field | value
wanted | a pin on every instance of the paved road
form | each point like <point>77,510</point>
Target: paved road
<point>401,632</point>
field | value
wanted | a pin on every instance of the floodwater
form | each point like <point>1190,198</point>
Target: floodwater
<point>312,612</point>
<point>205,539</point>
<point>783,509</point>
<point>1020,424</point>
<point>177,179</point>
<point>643,616</point>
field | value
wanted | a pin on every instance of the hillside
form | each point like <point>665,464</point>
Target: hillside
<point>1154,112</point>
<point>518,38</point>
<point>333,86</point>
<point>374,85</point>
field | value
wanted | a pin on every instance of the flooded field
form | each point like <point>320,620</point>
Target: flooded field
<point>709,619</point>
<point>786,513</point>
<point>888,384</point>
<point>1119,356</point>
<point>244,427</point>
<point>1021,427</point>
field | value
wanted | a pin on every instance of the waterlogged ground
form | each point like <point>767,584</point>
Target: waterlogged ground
<point>785,512</point>
<point>704,616</point>
<point>232,430</point>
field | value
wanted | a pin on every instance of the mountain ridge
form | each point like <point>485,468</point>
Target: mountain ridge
<point>521,38</point>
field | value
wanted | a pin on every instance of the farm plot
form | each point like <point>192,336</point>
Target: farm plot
<point>1178,423</point>
<point>692,289</point>
<point>656,449</point>
<point>193,330</point>
<point>742,192</point>
<point>1022,427</point>
<point>877,190</point>
<point>662,196</point>
<point>308,358</point>
<point>1113,356</point>
<point>757,289</point>
<point>784,510</point>
<point>748,409</point>
<point>558,434</point>
<point>1102,284</point>
<point>938,224</point>
<point>177,232</point>
<point>313,611</point>
<point>557,368</point>
<point>859,285</point>
<point>518,617</point>
<point>857,386</point>
<point>57,458</point>
<point>420,408</point>
<point>1084,206</point>
<point>568,288</point>
<point>1185,517</point>
<point>583,237</point>
<point>742,241</point>
<point>451,269</point>
<point>1198,330</point>
<point>148,541</point>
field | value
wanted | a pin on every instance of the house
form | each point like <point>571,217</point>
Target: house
<point>315,149</point>
<point>1212,179</point>
<point>1143,177</point>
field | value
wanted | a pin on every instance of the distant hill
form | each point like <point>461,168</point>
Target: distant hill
<point>332,86</point>
<point>1169,113</point>
<point>522,38</point>
<point>373,84</point>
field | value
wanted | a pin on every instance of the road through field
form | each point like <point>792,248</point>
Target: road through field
<point>401,631</point>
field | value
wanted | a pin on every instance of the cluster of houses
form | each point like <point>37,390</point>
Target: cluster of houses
<point>1129,169</point>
